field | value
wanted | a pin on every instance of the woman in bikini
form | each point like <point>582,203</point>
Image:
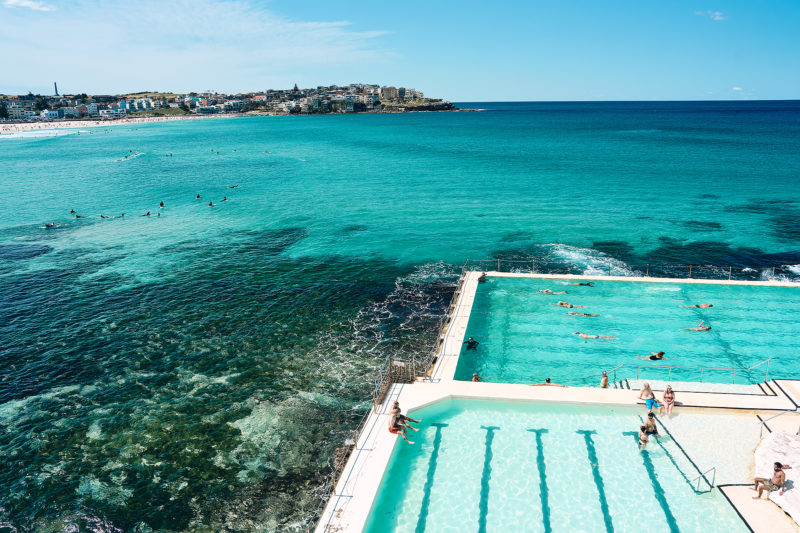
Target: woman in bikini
<point>669,399</point>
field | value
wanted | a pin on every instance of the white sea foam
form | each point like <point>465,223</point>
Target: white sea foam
<point>794,269</point>
<point>37,134</point>
<point>589,261</point>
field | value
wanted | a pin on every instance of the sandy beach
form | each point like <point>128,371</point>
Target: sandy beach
<point>18,127</point>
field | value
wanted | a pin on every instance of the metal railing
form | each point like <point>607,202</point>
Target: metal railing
<point>702,369</point>
<point>764,421</point>
<point>703,476</point>
<point>608,266</point>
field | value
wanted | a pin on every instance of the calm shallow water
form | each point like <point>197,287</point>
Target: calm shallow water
<point>498,466</point>
<point>197,369</point>
<point>526,337</point>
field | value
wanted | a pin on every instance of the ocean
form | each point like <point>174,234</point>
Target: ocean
<point>195,371</point>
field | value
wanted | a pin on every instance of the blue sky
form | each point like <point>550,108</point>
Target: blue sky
<point>461,51</point>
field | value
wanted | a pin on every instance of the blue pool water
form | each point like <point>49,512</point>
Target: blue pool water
<point>198,369</point>
<point>498,466</point>
<point>526,337</point>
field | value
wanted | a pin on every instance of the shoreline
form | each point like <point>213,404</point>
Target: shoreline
<point>11,128</point>
<point>20,127</point>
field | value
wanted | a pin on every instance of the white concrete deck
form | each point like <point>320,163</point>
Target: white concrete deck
<point>762,516</point>
<point>704,422</point>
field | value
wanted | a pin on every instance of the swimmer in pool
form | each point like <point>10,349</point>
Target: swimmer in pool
<point>700,306</point>
<point>565,304</point>
<point>547,383</point>
<point>471,343</point>
<point>587,336</point>
<point>482,278</point>
<point>579,314</point>
<point>549,291</point>
<point>656,356</point>
<point>587,284</point>
<point>476,378</point>
<point>700,327</point>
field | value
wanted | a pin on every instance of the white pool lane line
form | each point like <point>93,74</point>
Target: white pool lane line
<point>358,484</point>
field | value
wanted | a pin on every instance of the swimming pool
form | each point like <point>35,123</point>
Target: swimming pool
<point>503,466</point>
<point>526,337</point>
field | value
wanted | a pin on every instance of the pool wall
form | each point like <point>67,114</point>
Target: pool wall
<point>357,485</point>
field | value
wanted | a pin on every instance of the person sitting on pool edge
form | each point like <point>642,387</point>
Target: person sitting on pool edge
<point>650,427</point>
<point>482,277</point>
<point>778,481</point>
<point>649,398</point>
<point>398,428</point>
<point>546,383</point>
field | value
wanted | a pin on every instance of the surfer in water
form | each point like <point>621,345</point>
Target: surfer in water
<point>198,197</point>
<point>161,205</point>
<point>146,214</point>
<point>210,204</point>
<point>700,327</point>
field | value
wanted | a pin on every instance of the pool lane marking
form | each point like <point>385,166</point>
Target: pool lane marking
<point>598,479</point>
<point>543,490</point>
<point>486,476</point>
<point>658,490</point>
<point>422,518</point>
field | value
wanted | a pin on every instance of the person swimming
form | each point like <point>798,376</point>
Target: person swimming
<point>146,214</point>
<point>550,291</point>
<point>224,198</point>
<point>570,306</point>
<point>471,343</point>
<point>161,205</point>
<point>587,284</point>
<point>482,277</point>
<point>71,211</point>
<point>700,306</point>
<point>579,314</point>
<point>587,336</point>
<point>51,225</point>
<point>656,356</point>
<point>700,327</point>
<point>79,216</point>
<point>210,204</point>
<point>233,186</point>
<point>198,197</point>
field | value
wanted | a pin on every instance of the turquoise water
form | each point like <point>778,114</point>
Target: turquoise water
<point>196,370</point>
<point>498,466</point>
<point>526,337</point>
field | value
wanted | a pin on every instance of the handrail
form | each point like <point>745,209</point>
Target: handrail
<point>686,455</point>
<point>607,265</point>
<point>703,476</point>
<point>701,368</point>
<point>764,421</point>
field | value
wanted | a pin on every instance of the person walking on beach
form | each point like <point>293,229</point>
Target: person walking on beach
<point>778,481</point>
<point>471,343</point>
<point>669,400</point>
<point>649,398</point>
<point>700,327</point>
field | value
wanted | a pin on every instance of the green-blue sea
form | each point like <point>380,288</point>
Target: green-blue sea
<point>195,369</point>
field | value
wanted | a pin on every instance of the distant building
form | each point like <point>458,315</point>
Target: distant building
<point>389,93</point>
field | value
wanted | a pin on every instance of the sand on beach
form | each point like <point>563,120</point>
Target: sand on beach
<point>18,127</point>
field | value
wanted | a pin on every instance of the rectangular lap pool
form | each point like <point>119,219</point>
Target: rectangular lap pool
<point>526,337</point>
<point>501,466</point>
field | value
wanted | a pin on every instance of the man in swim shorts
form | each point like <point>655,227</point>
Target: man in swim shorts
<point>650,427</point>
<point>777,482</point>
